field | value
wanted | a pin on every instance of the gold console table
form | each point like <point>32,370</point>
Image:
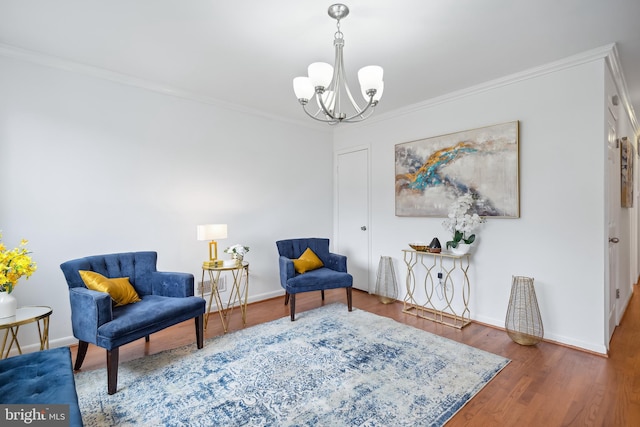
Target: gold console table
<point>452,286</point>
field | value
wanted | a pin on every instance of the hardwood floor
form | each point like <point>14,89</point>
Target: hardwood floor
<point>544,385</point>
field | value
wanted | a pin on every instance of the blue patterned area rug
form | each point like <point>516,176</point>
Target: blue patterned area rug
<point>328,368</point>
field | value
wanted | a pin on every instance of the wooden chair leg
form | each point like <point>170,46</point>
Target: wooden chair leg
<point>349,299</point>
<point>293,307</point>
<point>286,298</point>
<point>82,352</point>
<point>112,369</point>
<point>200,330</point>
<point>322,293</point>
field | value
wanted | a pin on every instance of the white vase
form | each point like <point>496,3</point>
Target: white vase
<point>461,249</point>
<point>8,305</point>
<point>238,257</point>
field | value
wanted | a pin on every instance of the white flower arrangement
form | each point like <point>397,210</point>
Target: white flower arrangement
<point>237,249</point>
<point>460,222</point>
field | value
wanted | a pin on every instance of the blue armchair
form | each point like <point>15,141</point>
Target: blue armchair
<point>333,274</point>
<point>166,299</point>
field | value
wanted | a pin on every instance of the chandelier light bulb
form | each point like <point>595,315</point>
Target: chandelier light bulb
<point>320,74</point>
<point>370,77</point>
<point>303,88</point>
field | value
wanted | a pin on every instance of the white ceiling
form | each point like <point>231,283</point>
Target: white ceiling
<point>246,52</point>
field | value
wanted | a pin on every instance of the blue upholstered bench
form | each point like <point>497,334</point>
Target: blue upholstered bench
<point>43,377</point>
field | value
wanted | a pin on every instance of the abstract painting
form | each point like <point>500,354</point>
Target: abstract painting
<point>626,175</point>
<point>431,173</point>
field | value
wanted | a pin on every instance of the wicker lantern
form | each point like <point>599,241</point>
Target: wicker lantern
<point>524,323</point>
<point>386,288</point>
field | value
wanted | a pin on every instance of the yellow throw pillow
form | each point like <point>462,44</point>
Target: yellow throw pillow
<point>119,288</point>
<point>308,261</point>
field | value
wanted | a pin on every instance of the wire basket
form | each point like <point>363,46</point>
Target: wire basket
<point>523,322</point>
<point>386,288</point>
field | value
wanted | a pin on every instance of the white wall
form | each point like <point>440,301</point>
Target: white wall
<point>89,166</point>
<point>559,237</point>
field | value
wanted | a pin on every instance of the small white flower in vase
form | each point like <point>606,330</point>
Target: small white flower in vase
<point>237,252</point>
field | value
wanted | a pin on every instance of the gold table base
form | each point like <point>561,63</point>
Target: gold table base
<point>25,315</point>
<point>239,292</point>
<point>430,264</point>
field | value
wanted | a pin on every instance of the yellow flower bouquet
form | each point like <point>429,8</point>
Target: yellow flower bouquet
<point>14,264</point>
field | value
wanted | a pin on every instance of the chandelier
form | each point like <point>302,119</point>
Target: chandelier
<point>330,87</point>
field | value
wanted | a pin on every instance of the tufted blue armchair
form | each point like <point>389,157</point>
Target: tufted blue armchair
<point>166,299</point>
<point>331,276</point>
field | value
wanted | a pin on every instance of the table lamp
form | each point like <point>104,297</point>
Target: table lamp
<point>212,232</point>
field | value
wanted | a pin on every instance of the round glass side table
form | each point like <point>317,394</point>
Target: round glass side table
<point>24,315</point>
<point>238,294</point>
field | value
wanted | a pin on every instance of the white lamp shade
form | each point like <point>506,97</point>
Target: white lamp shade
<point>377,96</point>
<point>320,74</point>
<point>303,88</point>
<point>212,231</point>
<point>370,77</point>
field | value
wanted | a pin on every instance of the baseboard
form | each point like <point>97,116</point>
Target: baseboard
<point>251,299</point>
<point>599,350</point>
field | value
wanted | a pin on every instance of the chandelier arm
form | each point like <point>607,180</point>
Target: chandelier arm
<point>356,119</point>
<point>324,108</point>
<point>333,121</point>
<point>334,98</point>
<point>361,113</point>
<point>340,78</point>
<point>330,101</point>
<point>343,79</point>
<point>354,104</point>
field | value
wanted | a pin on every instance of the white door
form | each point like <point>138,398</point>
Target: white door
<point>352,188</point>
<point>613,166</point>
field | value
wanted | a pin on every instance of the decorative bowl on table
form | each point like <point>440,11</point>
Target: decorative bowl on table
<point>420,247</point>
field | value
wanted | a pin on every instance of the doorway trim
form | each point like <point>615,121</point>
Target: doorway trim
<point>336,238</point>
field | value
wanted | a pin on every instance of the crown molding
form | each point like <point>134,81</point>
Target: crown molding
<point>124,79</point>
<point>608,52</point>
<point>613,62</point>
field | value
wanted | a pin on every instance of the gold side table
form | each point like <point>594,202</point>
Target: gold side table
<point>239,292</point>
<point>23,316</point>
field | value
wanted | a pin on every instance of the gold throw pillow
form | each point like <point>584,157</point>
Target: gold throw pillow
<point>119,288</point>
<point>308,261</point>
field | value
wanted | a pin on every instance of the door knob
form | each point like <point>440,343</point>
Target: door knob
<point>613,240</point>
<point>363,228</point>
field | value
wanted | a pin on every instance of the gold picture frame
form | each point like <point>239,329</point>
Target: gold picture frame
<point>626,173</point>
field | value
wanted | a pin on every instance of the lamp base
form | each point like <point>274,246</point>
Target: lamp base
<point>213,263</point>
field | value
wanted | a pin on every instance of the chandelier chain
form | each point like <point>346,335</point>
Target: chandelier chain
<point>338,34</point>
